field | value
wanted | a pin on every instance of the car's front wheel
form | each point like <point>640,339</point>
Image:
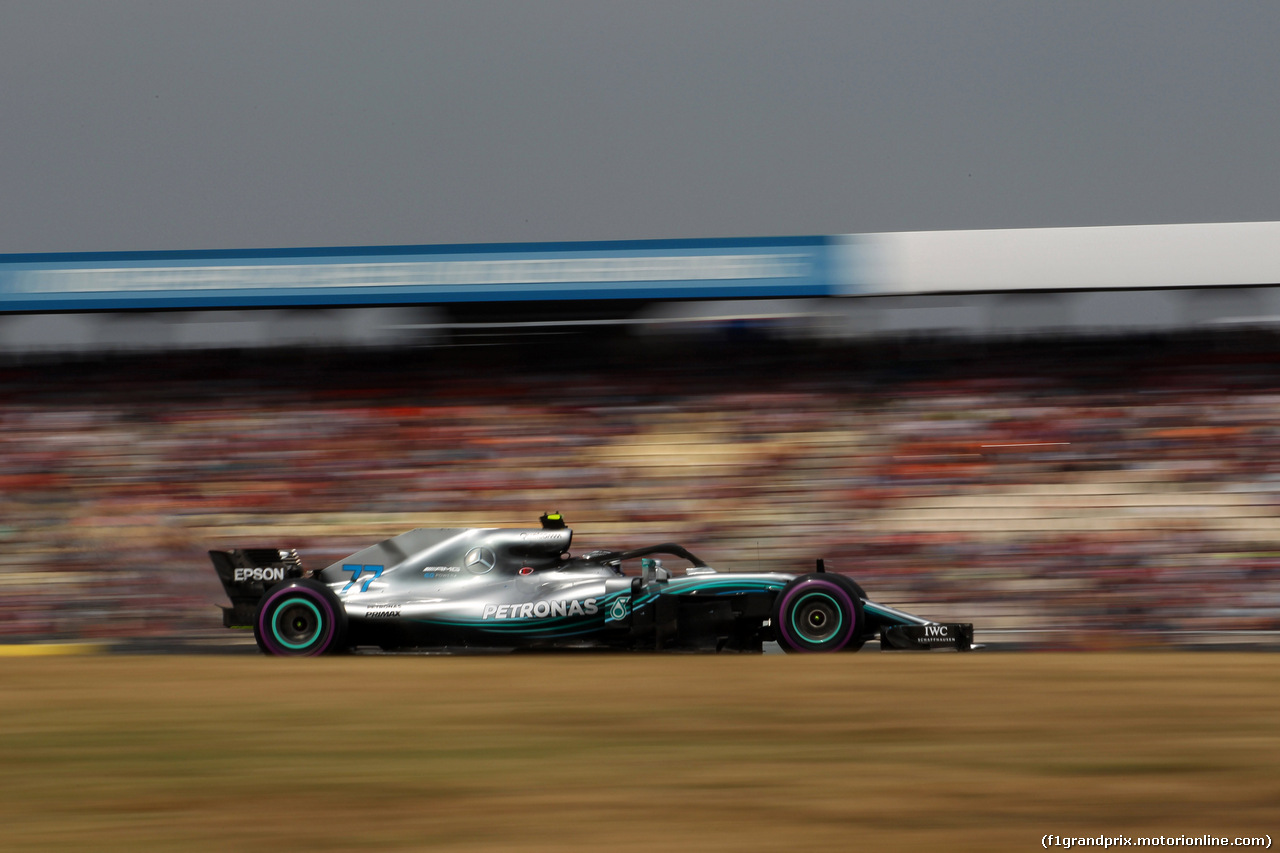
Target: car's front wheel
<point>819,613</point>
<point>300,618</point>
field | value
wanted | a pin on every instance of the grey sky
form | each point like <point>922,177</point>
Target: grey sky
<point>181,124</point>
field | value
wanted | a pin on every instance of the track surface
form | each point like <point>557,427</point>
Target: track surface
<point>622,753</point>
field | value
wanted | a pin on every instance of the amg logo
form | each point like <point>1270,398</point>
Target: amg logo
<point>276,574</point>
<point>935,630</point>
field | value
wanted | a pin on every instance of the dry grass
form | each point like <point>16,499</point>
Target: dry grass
<point>622,753</point>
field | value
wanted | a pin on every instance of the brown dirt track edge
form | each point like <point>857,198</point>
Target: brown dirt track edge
<point>635,752</point>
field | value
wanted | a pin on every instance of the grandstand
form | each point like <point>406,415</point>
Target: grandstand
<point>978,284</point>
<point>1114,489</point>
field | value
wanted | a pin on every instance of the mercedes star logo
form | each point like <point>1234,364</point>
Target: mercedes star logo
<point>480,560</point>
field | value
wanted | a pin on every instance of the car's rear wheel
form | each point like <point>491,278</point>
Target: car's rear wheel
<point>819,613</point>
<point>301,618</point>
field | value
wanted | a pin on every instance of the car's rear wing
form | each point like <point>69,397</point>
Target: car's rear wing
<point>246,574</point>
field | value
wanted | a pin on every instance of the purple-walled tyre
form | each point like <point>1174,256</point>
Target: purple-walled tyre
<point>819,613</point>
<point>301,618</point>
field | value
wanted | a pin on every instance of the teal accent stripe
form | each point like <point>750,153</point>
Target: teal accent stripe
<point>567,626</point>
<point>724,585</point>
<point>520,630</point>
<point>889,617</point>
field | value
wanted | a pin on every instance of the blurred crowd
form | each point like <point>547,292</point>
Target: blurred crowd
<point>1062,493</point>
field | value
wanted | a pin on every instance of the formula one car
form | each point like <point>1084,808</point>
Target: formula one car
<point>514,588</point>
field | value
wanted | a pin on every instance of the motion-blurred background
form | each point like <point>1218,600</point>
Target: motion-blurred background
<point>1058,477</point>
<point>994,388</point>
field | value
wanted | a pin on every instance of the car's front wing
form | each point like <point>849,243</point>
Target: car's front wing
<point>936,635</point>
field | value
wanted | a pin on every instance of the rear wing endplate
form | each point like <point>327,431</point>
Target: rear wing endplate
<point>246,574</point>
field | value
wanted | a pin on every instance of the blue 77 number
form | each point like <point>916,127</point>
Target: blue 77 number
<point>357,571</point>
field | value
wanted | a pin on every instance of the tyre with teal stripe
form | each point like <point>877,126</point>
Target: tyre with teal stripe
<point>300,618</point>
<point>819,612</point>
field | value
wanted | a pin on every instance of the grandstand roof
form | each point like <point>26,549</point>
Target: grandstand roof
<point>1222,254</point>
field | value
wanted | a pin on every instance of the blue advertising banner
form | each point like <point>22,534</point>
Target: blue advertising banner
<point>647,269</point>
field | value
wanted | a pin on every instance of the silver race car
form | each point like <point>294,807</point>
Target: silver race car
<point>514,588</point>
